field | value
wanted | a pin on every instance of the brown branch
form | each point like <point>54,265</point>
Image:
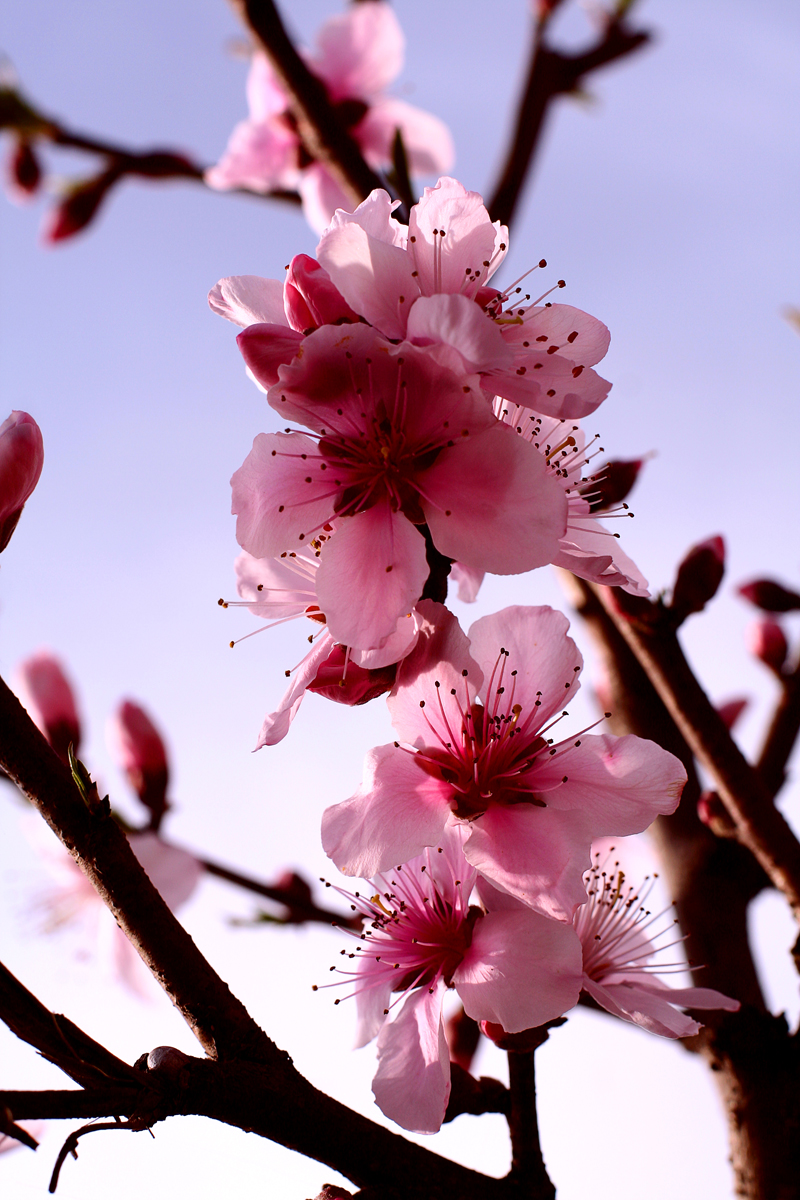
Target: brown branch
<point>781,735</point>
<point>57,1105</point>
<point>527,1163</point>
<point>219,1021</point>
<point>648,629</point>
<point>321,134</point>
<point>552,74</point>
<point>299,908</point>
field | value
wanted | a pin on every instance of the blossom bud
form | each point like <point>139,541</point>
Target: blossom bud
<point>21,459</point>
<point>713,813</point>
<point>770,596</point>
<point>310,298</point>
<point>699,576</point>
<point>731,710</point>
<point>24,172</point>
<point>463,1035</point>
<point>139,750</point>
<point>47,695</point>
<point>766,640</point>
<point>351,685</point>
<point>527,1040</point>
<point>612,483</point>
<point>79,207</point>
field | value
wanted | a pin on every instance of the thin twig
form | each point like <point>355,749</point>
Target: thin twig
<point>321,134</point>
<point>552,74</point>
<point>299,908</point>
<point>781,735</point>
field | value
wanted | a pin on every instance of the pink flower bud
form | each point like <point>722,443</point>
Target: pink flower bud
<point>48,696</point>
<point>78,208</point>
<point>310,298</point>
<point>23,173</point>
<point>21,459</point>
<point>770,596</point>
<point>713,813</point>
<point>612,483</point>
<point>351,685</point>
<point>766,640</point>
<point>698,578</point>
<point>139,750</point>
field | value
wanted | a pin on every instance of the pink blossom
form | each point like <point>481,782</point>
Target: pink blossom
<point>174,872</point>
<point>428,284</point>
<point>422,936</point>
<point>21,460</point>
<point>474,720</point>
<point>359,54</point>
<point>138,748</point>
<point>398,441</point>
<point>284,588</point>
<point>617,971</point>
<point>49,699</point>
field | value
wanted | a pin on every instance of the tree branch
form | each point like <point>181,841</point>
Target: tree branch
<point>647,628</point>
<point>782,734</point>
<point>527,1163</point>
<point>320,132</point>
<point>552,74</point>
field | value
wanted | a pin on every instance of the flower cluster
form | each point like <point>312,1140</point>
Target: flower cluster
<point>432,422</point>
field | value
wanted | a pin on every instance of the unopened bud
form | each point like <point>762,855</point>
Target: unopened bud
<point>770,596</point>
<point>310,298</point>
<point>349,684</point>
<point>47,694</point>
<point>139,750</point>
<point>698,578</point>
<point>612,482</point>
<point>21,460</point>
<point>731,710</point>
<point>766,641</point>
<point>463,1035</point>
<point>79,207</point>
<point>713,813</point>
<point>169,1063</point>
<point>24,173</point>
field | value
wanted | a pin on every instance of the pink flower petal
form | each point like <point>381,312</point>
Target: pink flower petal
<point>396,813</point>
<point>321,195</point>
<point>265,348</point>
<point>360,51</point>
<point>521,970</point>
<point>459,322</point>
<point>248,300</point>
<point>469,240</point>
<point>427,140</point>
<point>371,573</point>
<point>492,504</point>
<point>621,784</point>
<point>468,580</point>
<point>553,385</point>
<point>371,273</point>
<point>650,1012</point>
<point>535,854</point>
<point>270,498</point>
<point>412,1084</point>
<point>276,724</point>
<point>544,658</point>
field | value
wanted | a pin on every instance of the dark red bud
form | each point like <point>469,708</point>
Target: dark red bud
<point>294,886</point>
<point>731,710</point>
<point>78,208</point>
<point>352,686</point>
<point>612,482</point>
<point>770,596</point>
<point>24,171</point>
<point>463,1035</point>
<point>698,578</point>
<point>766,641</point>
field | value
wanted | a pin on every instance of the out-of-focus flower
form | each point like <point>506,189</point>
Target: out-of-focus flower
<point>282,589</point>
<point>47,694</point>
<point>422,936</point>
<point>474,718</point>
<point>359,54</point>
<point>698,579</point>
<point>138,748</point>
<point>766,641</point>
<point>21,461</point>
<point>397,441</point>
<point>617,969</point>
<point>428,285</point>
<point>174,872</point>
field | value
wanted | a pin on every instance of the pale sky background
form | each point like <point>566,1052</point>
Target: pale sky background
<point>669,203</point>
